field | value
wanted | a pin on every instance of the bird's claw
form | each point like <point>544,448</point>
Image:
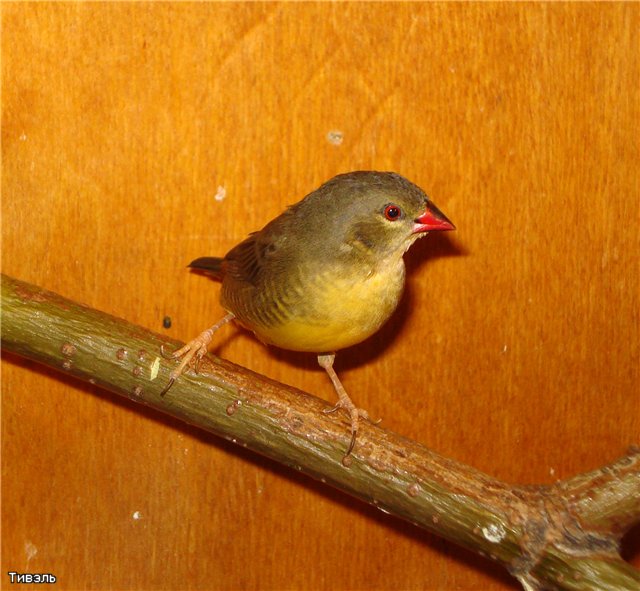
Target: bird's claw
<point>355,414</point>
<point>352,409</point>
<point>164,354</point>
<point>194,349</point>
<point>168,386</point>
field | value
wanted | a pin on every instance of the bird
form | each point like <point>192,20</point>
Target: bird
<point>324,275</point>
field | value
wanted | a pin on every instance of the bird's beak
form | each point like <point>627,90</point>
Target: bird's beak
<point>432,220</point>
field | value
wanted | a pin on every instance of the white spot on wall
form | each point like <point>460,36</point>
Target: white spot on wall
<point>30,550</point>
<point>335,137</point>
<point>221,193</point>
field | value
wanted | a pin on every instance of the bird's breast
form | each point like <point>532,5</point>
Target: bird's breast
<point>334,310</point>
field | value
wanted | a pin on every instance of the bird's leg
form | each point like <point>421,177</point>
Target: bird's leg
<point>196,348</point>
<point>326,362</point>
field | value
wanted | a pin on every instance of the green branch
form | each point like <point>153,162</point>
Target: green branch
<point>565,536</point>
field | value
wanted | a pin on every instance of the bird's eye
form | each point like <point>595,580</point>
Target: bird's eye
<point>392,212</point>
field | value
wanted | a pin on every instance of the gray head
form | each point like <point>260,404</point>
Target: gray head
<point>380,212</point>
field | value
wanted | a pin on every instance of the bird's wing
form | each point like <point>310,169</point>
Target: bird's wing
<point>251,258</point>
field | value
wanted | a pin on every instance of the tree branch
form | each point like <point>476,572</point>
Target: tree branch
<point>561,536</point>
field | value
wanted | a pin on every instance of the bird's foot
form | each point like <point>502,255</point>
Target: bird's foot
<point>326,362</point>
<point>191,354</point>
<point>355,414</point>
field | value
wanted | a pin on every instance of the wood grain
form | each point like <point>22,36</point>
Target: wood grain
<point>516,348</point>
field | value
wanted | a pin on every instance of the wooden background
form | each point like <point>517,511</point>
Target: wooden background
<point>516,348</point>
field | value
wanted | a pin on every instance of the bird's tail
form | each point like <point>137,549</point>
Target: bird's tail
<point>211,266</point>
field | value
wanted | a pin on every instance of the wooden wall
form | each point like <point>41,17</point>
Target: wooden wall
<point>515,350</point>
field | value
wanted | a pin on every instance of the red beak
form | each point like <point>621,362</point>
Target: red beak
<point>432,220</point>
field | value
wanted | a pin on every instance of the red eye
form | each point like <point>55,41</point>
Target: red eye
<point>392,212</point>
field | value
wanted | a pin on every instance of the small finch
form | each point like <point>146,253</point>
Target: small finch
<point>325,274</point>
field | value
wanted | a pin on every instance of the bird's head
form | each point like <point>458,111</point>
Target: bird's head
<point>378,212</point>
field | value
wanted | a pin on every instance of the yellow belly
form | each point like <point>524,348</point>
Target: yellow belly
<point>345,311</point>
